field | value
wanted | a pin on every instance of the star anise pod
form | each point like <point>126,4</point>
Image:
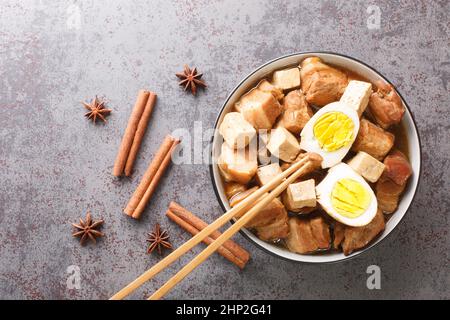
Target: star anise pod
<point>191,79</point>
<point>96,109</point>
<point>158,239</point>
<point>87,229</point>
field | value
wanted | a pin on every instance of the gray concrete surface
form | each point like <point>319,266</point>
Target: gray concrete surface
<point>55,165</point>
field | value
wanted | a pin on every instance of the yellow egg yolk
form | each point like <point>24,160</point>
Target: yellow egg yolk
<point>333,130</point>
<point>350,198</point>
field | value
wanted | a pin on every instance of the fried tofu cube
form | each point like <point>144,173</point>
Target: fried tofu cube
<point>283,144</point>
<point>237,165</point>
<point>260,108</point>
<point>266,86</point>
<point>287,79</point>
<point>357,95</point>
<point>236,131</point>
<point>264,157</point>
<point>299,195</point>
<point>373,140</point>
<point>266,173</point>
<point>367,166</point>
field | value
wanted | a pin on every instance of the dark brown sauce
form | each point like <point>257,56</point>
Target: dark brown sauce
<point>401,143</point>
<point>354,76</point>
<point>401,138</point>
<point>399,131</point>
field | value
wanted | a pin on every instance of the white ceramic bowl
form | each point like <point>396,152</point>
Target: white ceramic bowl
<point>347,63</point>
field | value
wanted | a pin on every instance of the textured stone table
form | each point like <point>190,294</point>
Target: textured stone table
<point>55,165</point>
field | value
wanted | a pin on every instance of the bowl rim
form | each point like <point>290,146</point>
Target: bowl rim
<point>211,170</point>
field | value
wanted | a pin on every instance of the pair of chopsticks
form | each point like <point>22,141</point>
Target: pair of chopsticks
<point>252,204</point>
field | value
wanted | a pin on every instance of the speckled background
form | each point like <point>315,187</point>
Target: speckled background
<point>55,165</point>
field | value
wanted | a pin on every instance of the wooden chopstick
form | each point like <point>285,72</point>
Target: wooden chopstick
<point>219,222</point>
<point>227,234</point>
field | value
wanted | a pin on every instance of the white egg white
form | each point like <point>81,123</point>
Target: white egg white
<point>325,187</point>
<point>309,142</point>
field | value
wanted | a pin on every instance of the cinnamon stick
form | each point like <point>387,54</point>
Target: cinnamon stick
<point>130,132</point>
<point>151,178</point>
<point>191,223</point>
<point>140,131</point>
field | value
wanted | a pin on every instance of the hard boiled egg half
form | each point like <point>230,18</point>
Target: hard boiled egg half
<point>347,197</point>
<point>330,133</point>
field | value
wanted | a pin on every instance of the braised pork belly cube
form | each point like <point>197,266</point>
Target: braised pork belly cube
<point>260,108</point>
<point>373,140</point>
<point>356,96</point>
<point>287,79</point>
<point>265,174</point>
<point>338,234</point>
<point>266,86</point>
<point>386,106</point>
<point>388,195</point>
<point>321,83</point>
<point>308,235</point>
<point>393,181</point>
<point>356,238</point>
<point>321,232</point>
<point>299,195</point>
<point>367,166</point>
<point>270,223</point>
<point>273,212</point>
<point>236,131</point>
<point>278,229</point>
<point>398,168</point>
<point>283,145</point>
<point>300,238</point>
<point>237,165</point>
<point>296,111</point>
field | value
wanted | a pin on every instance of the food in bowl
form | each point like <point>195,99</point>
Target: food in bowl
<point>352,124</point>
